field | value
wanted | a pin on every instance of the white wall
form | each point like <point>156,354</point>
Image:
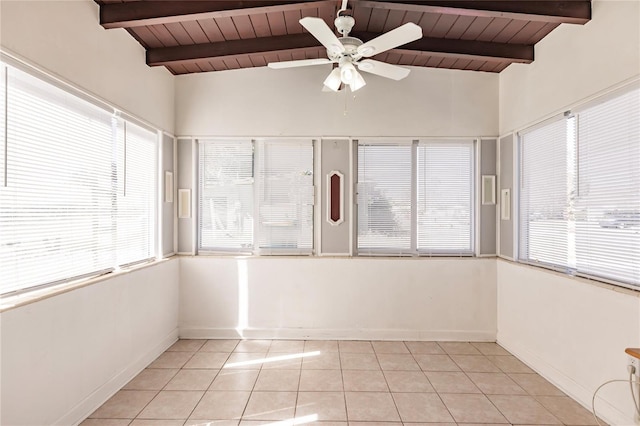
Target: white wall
<point>66,39</point>
<point>338,298</point>
<point>62,357</point>
<point>571,331</point>
<point>290,102</point>
<point>573,63</point>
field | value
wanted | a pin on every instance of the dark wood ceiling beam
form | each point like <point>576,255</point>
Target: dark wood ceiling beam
<point>428,46</point>
<point>567,11</point>
<point>153,12</point>
<point>196,52</point>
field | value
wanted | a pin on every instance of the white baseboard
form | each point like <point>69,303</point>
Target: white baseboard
<point>575,390</point>
<point>338,334</point>
<point>106,391</point>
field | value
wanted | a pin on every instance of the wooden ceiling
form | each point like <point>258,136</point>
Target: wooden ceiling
<point>198,36</point>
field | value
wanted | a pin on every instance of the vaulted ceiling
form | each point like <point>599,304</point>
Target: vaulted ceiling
<point>197,36</point>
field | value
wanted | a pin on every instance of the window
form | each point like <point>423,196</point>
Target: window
<point>256,196</point>
<point>415,197</point>
<point>69,206</point>
<point>580,191</point>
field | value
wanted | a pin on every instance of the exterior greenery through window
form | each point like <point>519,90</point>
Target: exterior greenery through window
<point>415,197</point>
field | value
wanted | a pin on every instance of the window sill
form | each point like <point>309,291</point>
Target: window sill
<point>28,297</point>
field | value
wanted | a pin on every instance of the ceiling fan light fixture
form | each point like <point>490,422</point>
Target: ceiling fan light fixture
<point>358,82</point>
<point>333,81</point>
<point>347,73</point>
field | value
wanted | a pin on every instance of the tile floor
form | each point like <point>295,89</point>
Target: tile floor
<point>287,382</point>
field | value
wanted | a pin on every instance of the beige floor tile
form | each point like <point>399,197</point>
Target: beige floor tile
<point>509,364</point>
<point>475,364</point>
<point>321,345</point>
<point>488,348</point>
<point>125,404</point>
<point>371,406</point>
<point>288,346</point>
<point>234,380</point>
<point>424,348</point>
<point>171,405</point>
<point>328,406</point>
<point>151,379</point>
<point>364,381</point>
<point>459,348</point>
<point>192,380</point>
<point>323,361</point>
<point>436,363</point>
<point>496,384</point>
<point>535,384</point>
<point>270,406</point>
<point>451,382</point>
<point>408,381</point>
<point>171,360</point>
<point>221,405</point>
<point>421,407</point>
<point>278,380</point>
<point>359,347</point>
<point>210,422</point>
<point>105,422</point>
<point>222,345</point>
<point>567,410</point>
<point>472,408</point>
<point>203,360</point>
<point>187,345</point>
<point>385,424</point>
<point>283,361</point>
<point>523,410</point>
<point>389,347</point>
<point>246,360</point>
<point>148,422</point>
<point>321,380</point>
<point>359,361</point>
<point>397,362</point>
<point>253,346</point>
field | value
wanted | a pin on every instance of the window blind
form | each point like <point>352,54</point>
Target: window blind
<point>445,197</point>
<point>57,211</point>
<point>607,210</point>
<point>384,197</point>
<point>136,164</point>
<point>226,196</point>
<point>285,196</point>
<point>545,181</point>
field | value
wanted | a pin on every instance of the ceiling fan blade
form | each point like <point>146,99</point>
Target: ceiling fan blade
<point>320,30</point>
<point>383,69</point>
<point>300,63</point>
<point>402,35</point>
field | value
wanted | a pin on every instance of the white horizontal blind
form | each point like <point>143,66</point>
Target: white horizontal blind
<point>57,211</point>
<point>3,115</point>
<point>226,195</point>
<point>445,197</point>
<point>285,196</point>
<point>137,158</point>
<point>384,197</point>
<point>544,194</point>
<point>607,210</point>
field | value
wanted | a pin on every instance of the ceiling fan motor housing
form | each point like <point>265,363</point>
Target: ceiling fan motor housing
<point>350,44</point>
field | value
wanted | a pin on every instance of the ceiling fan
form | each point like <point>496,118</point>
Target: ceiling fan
<point>348,51</point>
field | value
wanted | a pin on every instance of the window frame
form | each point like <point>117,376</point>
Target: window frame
<point>573,112</point>
<point>413,251</point>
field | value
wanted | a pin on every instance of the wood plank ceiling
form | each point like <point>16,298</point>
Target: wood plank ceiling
<point>199,36</point>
